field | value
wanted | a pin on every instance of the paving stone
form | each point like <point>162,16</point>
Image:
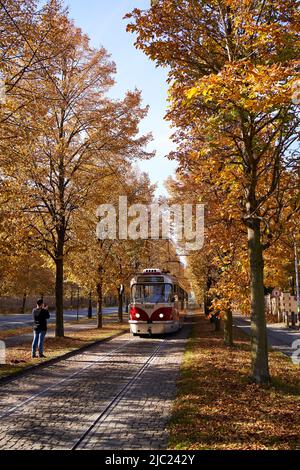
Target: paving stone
<point>59,411</point>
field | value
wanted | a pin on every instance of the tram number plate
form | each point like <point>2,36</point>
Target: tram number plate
<point>149,306</point>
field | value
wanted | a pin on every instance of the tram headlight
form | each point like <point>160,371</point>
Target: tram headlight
<point>137,315</point>
<point>161,315</point>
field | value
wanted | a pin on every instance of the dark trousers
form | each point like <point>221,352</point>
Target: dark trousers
<point>38,342</point>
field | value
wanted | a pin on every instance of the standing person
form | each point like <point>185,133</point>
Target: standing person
<point>40,316</point>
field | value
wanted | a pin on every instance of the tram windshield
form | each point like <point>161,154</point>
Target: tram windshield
<point>152,293</point>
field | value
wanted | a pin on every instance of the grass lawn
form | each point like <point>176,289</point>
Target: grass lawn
<point>218,407</point>
<point>19,357</point>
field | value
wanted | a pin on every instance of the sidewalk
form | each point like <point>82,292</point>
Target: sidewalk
<point>280,337</point>
<point>14,321</point>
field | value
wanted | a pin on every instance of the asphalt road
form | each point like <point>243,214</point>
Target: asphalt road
<point>14,321</point>
<point>280,337</point>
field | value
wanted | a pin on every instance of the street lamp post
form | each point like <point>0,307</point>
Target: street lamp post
<point>297,279</point>
<point>78,290</point>
<point>120,302</point>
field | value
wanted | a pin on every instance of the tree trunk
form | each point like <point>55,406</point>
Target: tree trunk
<point>120,306</point>
<point>217,323</point>
<point>259,341</point>
<point>59,297</point>
<point>90,308</point>
<point>59,252</point>
<point>207,305</point>
<point>24,302</point>
<point>127,301</point>
<point>99,306</point>
<point>228,336</point>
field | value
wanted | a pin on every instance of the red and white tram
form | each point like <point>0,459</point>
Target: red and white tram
<point>158,303</point>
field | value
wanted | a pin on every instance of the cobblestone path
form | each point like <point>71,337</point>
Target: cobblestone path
<point>120,391</point>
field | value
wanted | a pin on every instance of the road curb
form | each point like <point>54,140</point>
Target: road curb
<point>55,360</point>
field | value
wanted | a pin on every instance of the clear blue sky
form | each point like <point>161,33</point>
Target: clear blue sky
<point>102,21</point>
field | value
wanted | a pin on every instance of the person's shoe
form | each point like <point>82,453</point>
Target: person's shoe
<point>33,356</point>
<point>42,356</point>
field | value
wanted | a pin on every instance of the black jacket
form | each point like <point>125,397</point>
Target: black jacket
<point>40,317</point>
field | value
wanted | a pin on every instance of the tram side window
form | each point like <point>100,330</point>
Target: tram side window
<point>180,294</point>
<point>168,293</point>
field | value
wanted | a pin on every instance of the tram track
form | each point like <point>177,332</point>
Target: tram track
<point>116,399</point>
<point>100,359</point>
<point>64,380</point>
<point>81,409</point>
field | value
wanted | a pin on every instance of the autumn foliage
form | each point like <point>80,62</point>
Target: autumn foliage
<point>233,71</point>
<point>65,148</point>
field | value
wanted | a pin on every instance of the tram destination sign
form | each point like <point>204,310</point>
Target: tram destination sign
<point>150,279</point>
